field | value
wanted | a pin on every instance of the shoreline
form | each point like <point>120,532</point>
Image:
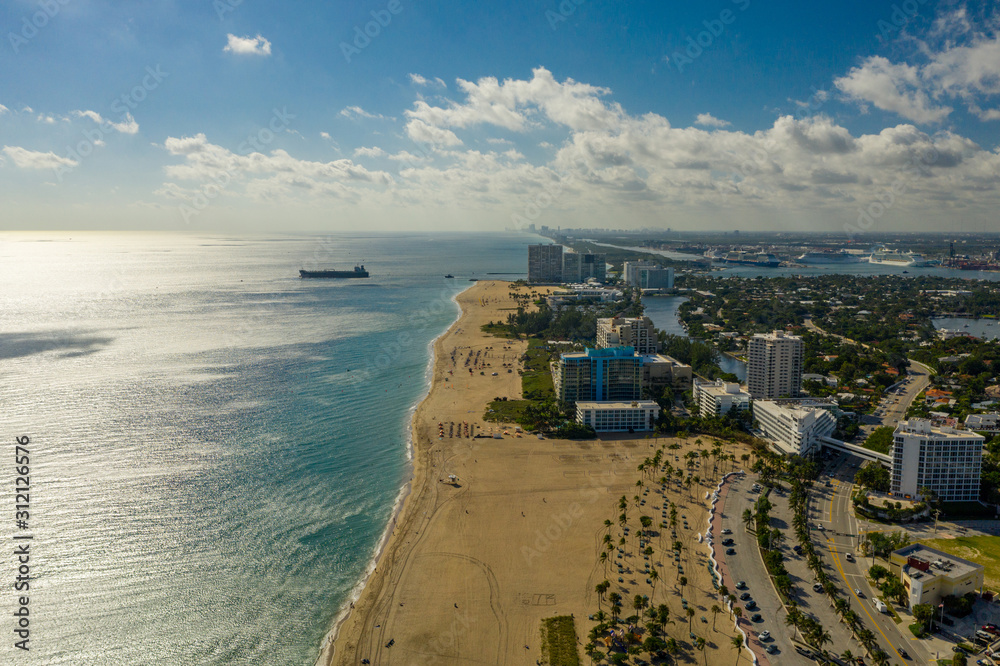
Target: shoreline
<point>328,645</point>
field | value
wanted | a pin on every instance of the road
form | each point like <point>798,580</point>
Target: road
<point>831,508</point>
<point>746,565</point>
<point>893,407</point>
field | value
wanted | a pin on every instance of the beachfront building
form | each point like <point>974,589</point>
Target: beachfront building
<point>929,575</point>
<point>636,332</point>
<point>633,416</point>
<point>795,426</point>
<point>945,460</point>
<point>719,397</point>
<point>578,292</point>
<point>545,263</point>
<point>583,266</point>
<point>774,368</point>
<point>983,422</point>
<point>598,375</point>
<point>647,275</point>
<point>660,371</point>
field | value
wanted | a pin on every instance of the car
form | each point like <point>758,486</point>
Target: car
<point>730,551</point>
<point>817,587</point>
<point>756,617</point>
<point>728,542</point>
<point>742,585</point>
<point>727,531</point>
<point>850,558</point>
<point>751,605</point>
<point>991,627</point>
<point>797,549</point>
<point>861,595</point>
<point>902,653</point>
<point>821,528</point>
<point>771,648</point>
<point>764,635</point>
<point>744,596</point>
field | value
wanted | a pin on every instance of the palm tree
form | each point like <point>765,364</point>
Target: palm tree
<point>654,576</point>
<point>604,561</point>
<point>715,614</point>
<point>847,655</point>
<point>738,612</point>
<point>690,614</point>
<point>723,591</point>
<point>747,518</point>
<point>616,605</point>
<point>699,644</point>
<point>601,588</point>
<point>737,643</point>
<point>682,581</point>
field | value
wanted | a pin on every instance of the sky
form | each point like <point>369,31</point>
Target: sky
<point>245,115</point>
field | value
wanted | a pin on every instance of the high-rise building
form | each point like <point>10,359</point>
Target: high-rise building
<point>719,397</point>
<point>598,375</point>
<point>774,368</point>
<point>545,263</point>
<point>581,266</point>
<point>647,275</point>
<point>945,460</point>
<point>795,427</point>
<point>636,332</point>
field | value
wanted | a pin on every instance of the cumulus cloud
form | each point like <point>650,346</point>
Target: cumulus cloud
<point>708,120</point>
<point>269,176</point>
<point>374,151</point>
<point>968,73</point>
<point>247,45</point>
<point>33,159</point>
<point>3,109</point>
<point>422,132</point>
<point>128,125</point>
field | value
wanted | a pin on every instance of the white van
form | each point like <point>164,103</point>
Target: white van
<point>880,605</point>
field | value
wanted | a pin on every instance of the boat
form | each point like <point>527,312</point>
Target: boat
<point>449,275</point>
<point>358,272</point>
<point>884,255</point>
<point>832,257</point>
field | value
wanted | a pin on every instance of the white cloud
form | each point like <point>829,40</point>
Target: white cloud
<point>32,159</point>
<point>421,132</point>
<point>418,80</point>
<point>3,109</point>
<point>261,176</point>
<point>369,152</point>
<point>708,120</point>
<point>47,119</point>
<point>325,135</point>
<point>247,45</point>
<point>357,112</point>
<point>126,126</point>
<point>892,87</point>
<point>968,73</point>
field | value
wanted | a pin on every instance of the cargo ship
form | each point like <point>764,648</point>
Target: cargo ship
<point>358,272</point>
<point>832,257</point>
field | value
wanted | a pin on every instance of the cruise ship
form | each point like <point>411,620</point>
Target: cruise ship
<point>832,257</point>
<point>761,259</point>
<point>884,255</point>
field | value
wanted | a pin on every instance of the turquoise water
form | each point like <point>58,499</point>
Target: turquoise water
<point>216,445</point>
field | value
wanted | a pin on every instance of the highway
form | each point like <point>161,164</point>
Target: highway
<point>831,508</point>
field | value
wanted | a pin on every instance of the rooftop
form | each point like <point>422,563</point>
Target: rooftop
<point>938,562</point>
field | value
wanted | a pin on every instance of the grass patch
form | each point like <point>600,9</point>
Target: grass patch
<point>536,381</point>
<point>498,331</point>
<point>559,641</point>
<point>917,629</point>
<point>966,511</point>
<point>507,411</point>
<point>984,550</point>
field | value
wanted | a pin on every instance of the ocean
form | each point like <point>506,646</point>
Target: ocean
<point>216,446</point>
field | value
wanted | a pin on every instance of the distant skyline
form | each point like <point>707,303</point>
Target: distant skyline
<point>233,115</point>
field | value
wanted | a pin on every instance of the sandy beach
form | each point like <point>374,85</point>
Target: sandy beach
<point>473,567</point>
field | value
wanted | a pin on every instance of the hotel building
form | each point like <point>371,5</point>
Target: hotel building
<point>580,267</point>
<point>636,332</point>
<point>945,460</point>
<point>647,275</point>
<point>718,397</point>
<point>795,427</point>
<point>618,416</point>
<point>596,375</point>
<point>774,368</point>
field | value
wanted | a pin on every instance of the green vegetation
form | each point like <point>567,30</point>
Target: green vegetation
<point>873,476</point>
<point>559,641</point>
<point>984,550</point>
<point>536,380</point>
<point>880,440</point>
<point>918,630</point>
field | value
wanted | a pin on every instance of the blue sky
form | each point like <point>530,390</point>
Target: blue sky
<point>246,115</point>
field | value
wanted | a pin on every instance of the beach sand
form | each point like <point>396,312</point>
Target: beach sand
<point>473,567</point>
